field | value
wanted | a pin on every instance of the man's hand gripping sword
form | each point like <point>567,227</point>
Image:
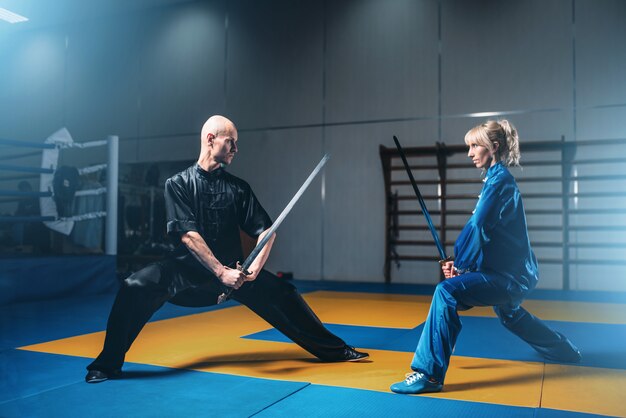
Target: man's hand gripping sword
<point>255,252</point>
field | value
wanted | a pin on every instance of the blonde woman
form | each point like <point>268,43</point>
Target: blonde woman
<point>494,266</point>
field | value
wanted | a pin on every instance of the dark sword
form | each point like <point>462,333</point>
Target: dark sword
<point>429,221</point>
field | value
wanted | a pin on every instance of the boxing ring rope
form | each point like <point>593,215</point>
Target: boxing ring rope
<point>110,233</point>
<point>48,206</point>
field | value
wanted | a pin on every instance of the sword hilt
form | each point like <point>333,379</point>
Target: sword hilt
<point>445,260</point>
<point>225,295</point>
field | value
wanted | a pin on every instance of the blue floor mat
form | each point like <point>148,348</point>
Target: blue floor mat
<point>343,402</point>
<point>487,338</point>
<point>47,385</point>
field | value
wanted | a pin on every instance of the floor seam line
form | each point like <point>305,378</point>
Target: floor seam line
<point>543,378</point>
<point>40,392</point>
<point>281,399</point>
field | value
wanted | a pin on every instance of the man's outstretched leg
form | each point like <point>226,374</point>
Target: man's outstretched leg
<point>280,304</point>
<point>139,297</point>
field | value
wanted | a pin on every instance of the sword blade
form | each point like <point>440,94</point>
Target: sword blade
<point>255,252</point>
<point>261,244</point>
<point>429,221</point>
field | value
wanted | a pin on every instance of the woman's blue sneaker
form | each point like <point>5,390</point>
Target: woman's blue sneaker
<point>414,383</point>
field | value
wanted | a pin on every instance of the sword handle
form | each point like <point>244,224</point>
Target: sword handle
<point>445,260</point>
<point>224,296</point>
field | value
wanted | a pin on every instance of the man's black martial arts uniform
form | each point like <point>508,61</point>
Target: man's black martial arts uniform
<point>214,204</point>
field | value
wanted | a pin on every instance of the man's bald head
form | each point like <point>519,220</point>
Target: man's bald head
<point>218,142</point>
<point>217,125</point>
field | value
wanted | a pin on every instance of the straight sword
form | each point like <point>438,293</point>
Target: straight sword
<point>429,221</point>
<point>255,252</point>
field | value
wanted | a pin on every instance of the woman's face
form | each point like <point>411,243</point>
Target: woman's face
<point>481,156</point>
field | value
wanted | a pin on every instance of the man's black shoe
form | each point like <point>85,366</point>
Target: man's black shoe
<point>350,354</point>
<point>97,376</point>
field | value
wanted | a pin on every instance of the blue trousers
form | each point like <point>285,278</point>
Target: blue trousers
<point>443,325</point>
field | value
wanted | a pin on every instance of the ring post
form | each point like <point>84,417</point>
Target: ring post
<point>110,246</point>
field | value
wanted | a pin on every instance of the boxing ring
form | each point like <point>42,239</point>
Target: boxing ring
<point>53,202</point>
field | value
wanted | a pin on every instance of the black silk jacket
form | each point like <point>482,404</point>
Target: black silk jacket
<point>215,204</point>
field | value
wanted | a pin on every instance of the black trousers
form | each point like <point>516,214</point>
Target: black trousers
<point>273,299</point>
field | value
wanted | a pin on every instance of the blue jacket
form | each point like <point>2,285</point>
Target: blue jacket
<point>495,239</point>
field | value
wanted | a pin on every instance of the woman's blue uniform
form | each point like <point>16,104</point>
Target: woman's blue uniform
<point>498,269</point>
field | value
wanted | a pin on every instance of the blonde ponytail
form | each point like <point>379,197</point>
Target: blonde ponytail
<point>512,155</point>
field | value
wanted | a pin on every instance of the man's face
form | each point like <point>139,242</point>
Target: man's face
<point>225,146</point>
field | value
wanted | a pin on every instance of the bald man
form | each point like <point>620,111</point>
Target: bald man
<point>206,207</point>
